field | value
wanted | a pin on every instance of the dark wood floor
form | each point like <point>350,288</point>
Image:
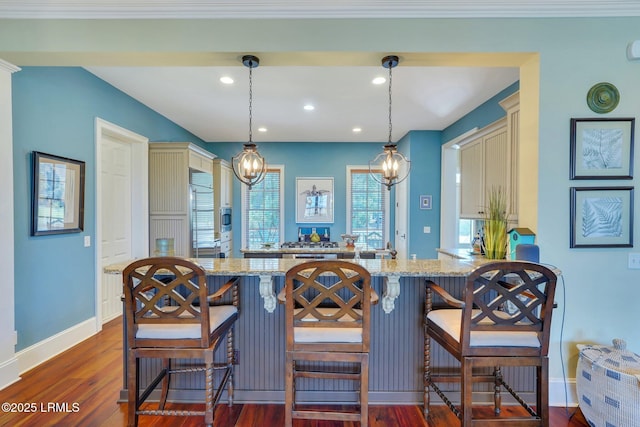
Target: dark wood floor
<point>89,375</point>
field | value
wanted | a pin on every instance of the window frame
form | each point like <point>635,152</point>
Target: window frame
<point>244,209</point>
<point>387,205</point>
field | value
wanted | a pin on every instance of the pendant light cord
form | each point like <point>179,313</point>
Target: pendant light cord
<point>250,103</point>
<point>390,125</point>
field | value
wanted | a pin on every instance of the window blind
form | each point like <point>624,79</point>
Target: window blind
<point>262,210</point>
<point>368,210</point>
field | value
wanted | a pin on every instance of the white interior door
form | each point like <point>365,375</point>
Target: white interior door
<point>116,233</point>
<point>122,210</point>
<point>401,212</point>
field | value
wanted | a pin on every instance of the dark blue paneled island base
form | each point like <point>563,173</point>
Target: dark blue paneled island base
<point>397,345</point>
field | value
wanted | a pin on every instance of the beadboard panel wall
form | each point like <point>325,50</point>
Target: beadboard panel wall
<point>396,358</point>
<point>167,173</point>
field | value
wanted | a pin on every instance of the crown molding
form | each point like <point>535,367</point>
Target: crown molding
<point>6,66</point>
<point>254,9</point>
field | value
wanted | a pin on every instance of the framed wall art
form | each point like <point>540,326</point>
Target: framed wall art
<point>426,201</point>
<point>601,217</point>
<point>314,201</point>
<point>602,148</point>
<point>57,202</point>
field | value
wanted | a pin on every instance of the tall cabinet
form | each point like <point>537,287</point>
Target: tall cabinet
<point>170,166</point>
<point>223,200</point>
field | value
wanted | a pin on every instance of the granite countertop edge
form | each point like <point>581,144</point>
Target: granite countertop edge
<point>279,266</point>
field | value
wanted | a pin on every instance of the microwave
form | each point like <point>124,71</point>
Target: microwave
<point>225,219</point>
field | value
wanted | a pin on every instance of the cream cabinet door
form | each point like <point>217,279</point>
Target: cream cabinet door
<point>223,184</point>
<point>484,164</point>
<point>472,180</point>
<point>496,161</point>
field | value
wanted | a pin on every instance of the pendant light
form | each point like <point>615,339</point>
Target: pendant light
<point>248,165</point>
<point>395,167</point>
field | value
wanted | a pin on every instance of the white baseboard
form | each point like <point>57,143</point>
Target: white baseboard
<point>112,316</point>
<point>44,350</point>
<point>9,372</point>
<point>557,396</point>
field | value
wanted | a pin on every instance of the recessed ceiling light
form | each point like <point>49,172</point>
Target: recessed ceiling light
<point>378,80</point>
<point>309,107</point>
<point>262,129</point>
<point>356,129</point>
<point>226,80</point>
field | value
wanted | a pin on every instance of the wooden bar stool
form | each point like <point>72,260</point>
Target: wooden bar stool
<point>327,320</point>
<point>170,315</point>
<point>502,320</point>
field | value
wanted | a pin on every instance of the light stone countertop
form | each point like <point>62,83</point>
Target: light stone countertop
<point>336,250</point>
<point>459,253</point>
<point>377,267</point>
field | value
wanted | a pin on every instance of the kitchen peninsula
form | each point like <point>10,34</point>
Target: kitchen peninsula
<point>396,361</point>
<point>388,270</point>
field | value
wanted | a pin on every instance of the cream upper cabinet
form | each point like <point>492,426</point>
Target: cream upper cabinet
<point>496,161</point>
<point>488,159</point>
<point>482,166</point>
<point>200,162</point>
<point>471,179</point>
<point>223,183</point>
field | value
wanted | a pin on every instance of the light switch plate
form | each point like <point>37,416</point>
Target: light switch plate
<point>426,229</point>
<point>634,260</point>
<point>87,241</point>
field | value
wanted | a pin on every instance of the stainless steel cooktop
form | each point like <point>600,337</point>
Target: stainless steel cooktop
<point>317,245</point>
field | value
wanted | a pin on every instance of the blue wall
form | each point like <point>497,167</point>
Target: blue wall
<point>424,180</point>
<point>54,111</point>
<point>484,115</point>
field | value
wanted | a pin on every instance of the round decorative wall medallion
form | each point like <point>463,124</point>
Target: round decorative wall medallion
<point>603,98</point>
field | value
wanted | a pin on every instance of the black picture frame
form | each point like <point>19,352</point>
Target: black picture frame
<point>602,148</point>
<point>57,200</point>
<point>601,217</point>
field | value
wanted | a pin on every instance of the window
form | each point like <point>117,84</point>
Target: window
<point>262,211</point>
<point>367,208</point>
<point>465,232</point>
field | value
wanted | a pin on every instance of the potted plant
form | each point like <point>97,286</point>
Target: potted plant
<point>495,224</point>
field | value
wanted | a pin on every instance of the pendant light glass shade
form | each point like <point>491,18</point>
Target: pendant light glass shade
<point>389,167</point>
<point>248,165</point>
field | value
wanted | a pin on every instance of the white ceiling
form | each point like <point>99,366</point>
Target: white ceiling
<point>424,98</point>
<point>344,97</point>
